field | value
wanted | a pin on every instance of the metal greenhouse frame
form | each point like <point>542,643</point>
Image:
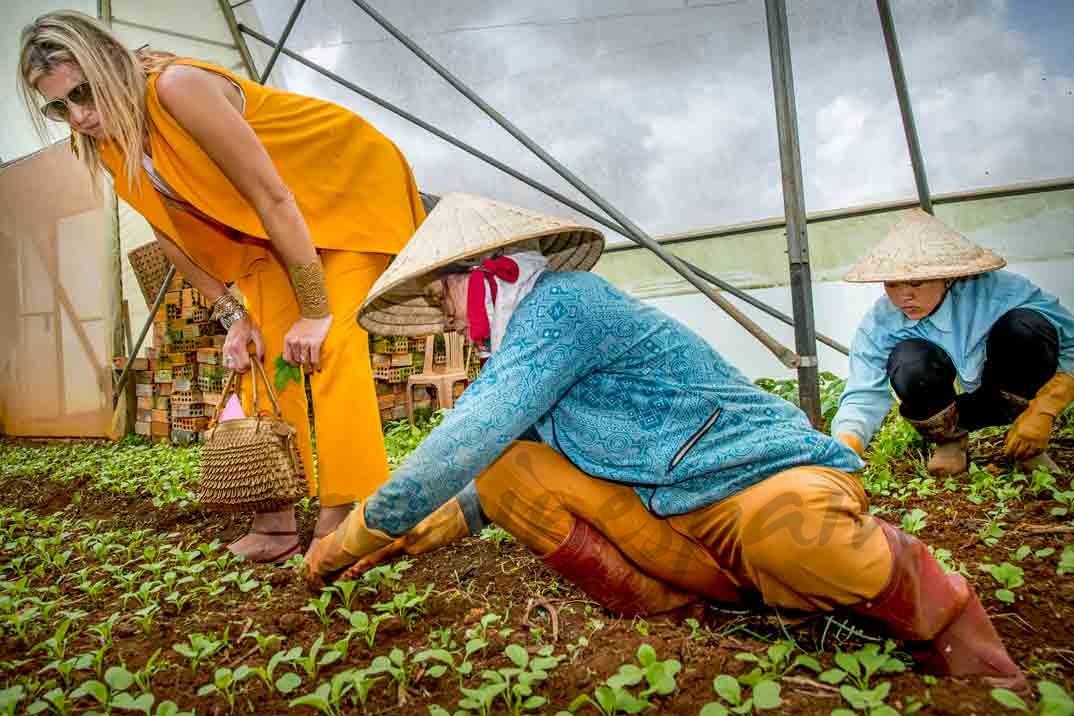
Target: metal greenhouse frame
<point>804,357</point>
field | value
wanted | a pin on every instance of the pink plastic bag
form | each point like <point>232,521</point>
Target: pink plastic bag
<point>233,410</point>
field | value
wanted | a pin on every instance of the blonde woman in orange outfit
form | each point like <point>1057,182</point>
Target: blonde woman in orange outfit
<point>298,201</point>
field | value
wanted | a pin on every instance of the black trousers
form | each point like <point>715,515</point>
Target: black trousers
<point>1022,354</point>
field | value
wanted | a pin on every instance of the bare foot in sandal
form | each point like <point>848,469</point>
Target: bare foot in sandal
<point>273,537</point>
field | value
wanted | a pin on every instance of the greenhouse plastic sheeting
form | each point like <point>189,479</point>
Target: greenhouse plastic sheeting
<point>55,331</point>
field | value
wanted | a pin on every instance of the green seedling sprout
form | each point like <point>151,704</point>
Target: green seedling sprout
<point>442,638</point>
<point>328,698</point>
<point>407,606</point>
<point>153,665</point>
<point>312,662</point>
<point>855,673</point>
<point>1066,503</point>
<point>201,647</point>
<point>695,629</point>
<point>264,643</point>
<point>112,693</point>
<point>169,708</point>
<point>575,650</point>
<point>775,663</point>
<point>146,617</point>
<point>1009,577</point>
<point>614,696</point>
<point>53,701</point>
<point>285,683</point>
<point>1054,700</point>
<point>67,667</point>
<point>519,680</point>
<point>497,536</point>
<point>319,606</point>
<point>445,658</point>
<point>225,682</point>
<point>386,575</point>
<point>363,682</point>
<point>10,698</point>
<point>55,645</point>
<point>1066,561</point>
<point>395,665</point>
<point>914,521</point>
<point>361,625</point>
<point>23,621</point>
<point>346,591</point>
<point>764,697</point>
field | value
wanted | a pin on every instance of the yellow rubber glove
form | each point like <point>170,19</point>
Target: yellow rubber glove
<point>442,527</point>
<point>852,441</point>
<point>1029,433</point>
<point>446,525</point>
<point>351,541</point>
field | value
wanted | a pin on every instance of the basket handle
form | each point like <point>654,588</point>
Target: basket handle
<point>260,370</point>
<point>234,383</point>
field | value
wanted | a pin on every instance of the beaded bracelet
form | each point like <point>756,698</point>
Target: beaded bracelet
<point>227,309</point>
<point>308,280</point>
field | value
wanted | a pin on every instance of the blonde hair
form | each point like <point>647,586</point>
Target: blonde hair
<point>116,76</point>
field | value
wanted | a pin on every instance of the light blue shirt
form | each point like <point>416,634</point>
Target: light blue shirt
<point>960,326</point>
<point>625,393</point>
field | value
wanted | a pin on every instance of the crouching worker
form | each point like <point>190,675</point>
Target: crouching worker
<point>950,314</point>
<point>628,454</point>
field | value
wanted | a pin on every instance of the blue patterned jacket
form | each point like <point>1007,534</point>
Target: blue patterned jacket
<point>622,390</point>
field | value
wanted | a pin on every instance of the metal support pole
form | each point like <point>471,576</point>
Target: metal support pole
<point>779,47</point>
<point>632,231</point>
<point>887,23</point>
<point>145,329</point>
<point>104,11</point>
<point>283,41</point>
<point>546,190</point>
<point>228,12</point>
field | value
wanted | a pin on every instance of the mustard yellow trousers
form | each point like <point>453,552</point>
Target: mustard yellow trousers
<point>351,460</point>
<point>802,538</point>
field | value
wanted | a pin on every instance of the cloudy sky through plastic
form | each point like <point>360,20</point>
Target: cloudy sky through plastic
<point>666,108</point>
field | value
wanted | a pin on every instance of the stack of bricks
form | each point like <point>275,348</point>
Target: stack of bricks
<point>394,360</point>
<point>180,381</point>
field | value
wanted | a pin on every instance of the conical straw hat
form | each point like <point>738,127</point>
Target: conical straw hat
<point>463,226</point>
<point>920,247</point>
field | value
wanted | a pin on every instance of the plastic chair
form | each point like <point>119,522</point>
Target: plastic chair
<point>444,382</point>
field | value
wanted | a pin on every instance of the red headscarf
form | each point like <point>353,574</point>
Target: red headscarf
<point>498,267</point>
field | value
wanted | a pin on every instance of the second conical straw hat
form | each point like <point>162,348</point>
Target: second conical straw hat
<point>920,247</point>
<point>462,227</point>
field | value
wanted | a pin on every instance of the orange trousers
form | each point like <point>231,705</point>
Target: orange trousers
<point>351,460</point>
<point>802,538</point>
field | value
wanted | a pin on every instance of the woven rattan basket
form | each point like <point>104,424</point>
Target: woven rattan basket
<point>250,464</point>
<point>150,268</point>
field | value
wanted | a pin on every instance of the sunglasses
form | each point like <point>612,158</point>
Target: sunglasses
<point>58,109</point>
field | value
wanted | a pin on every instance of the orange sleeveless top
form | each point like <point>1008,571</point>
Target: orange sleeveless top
<point>352,184</point>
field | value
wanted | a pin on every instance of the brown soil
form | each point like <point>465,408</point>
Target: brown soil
<point>472,578</point>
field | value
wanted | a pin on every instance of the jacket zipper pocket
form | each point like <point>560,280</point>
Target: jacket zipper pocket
<point>689,444</point>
